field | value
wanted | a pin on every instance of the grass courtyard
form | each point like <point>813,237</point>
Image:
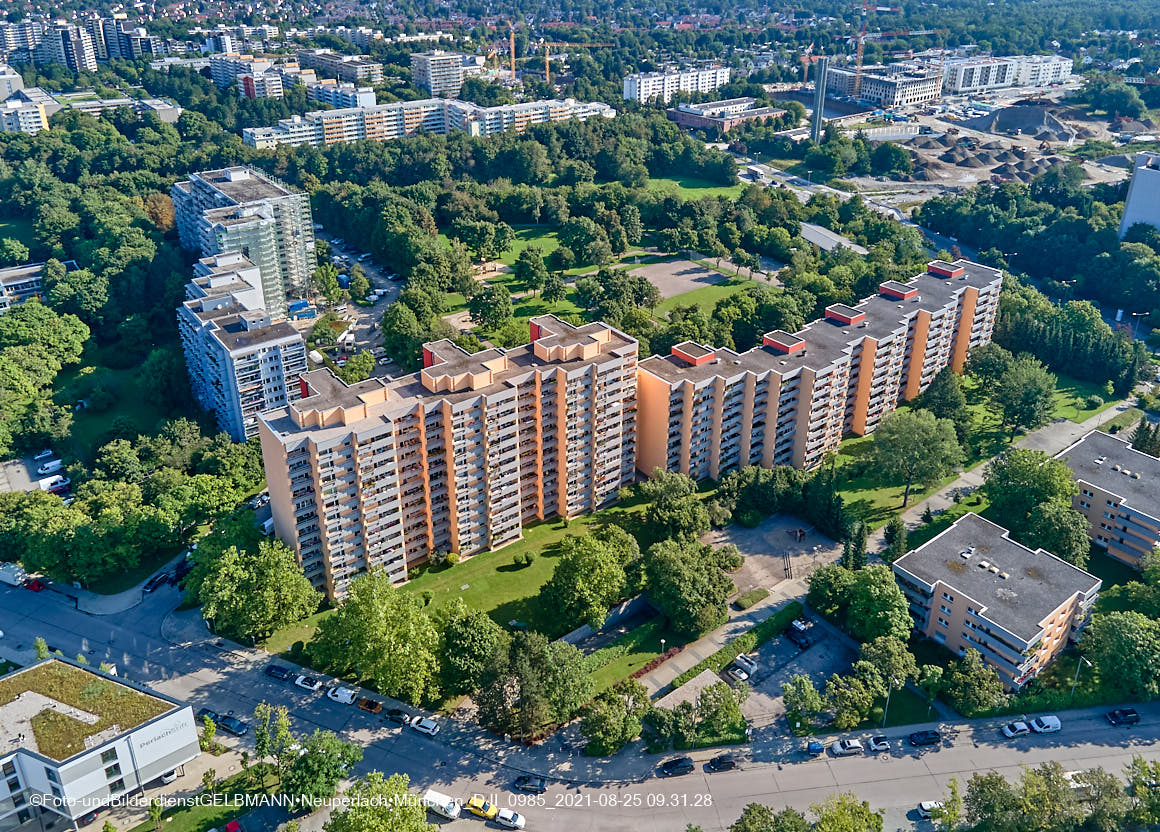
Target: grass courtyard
<point>707,296</point>
<point>214,814</point>
<point>690,187</point>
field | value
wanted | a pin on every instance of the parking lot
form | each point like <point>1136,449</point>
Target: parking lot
<point>18,475</point>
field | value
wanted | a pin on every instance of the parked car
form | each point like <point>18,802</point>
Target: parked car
<point>169,776</point>
<point>156,581</point>
<point>531,784</point>
<point>202,713</point>
<point>927,808</point>
<point>921,738</point>
<point>342,695</point>
<point>798,639</point>
<point>1046,724</point>
<point>425,725</point>
<point>479,806</point>
<point>397,715</point>
<point>385,360</point>
<point>233,725</point>
<point>800,624</point>
<point>1123,716</point>
<point>1018,728</point>
<point>740,674</point>
<point>509,819</point>
<point>846,748</point>
<point>308,683</point>
<point>370,706</point>
<point>276,671</point>
<point>45,454</point>
<point>87,820</point>
<point>877,744</point>
<point>677,766</point>
<point>722,762</point>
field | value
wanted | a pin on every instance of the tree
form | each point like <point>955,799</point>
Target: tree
<point>949,816</point>
<point>930,682</point>
<point>850,698</point>
<point>491,307</point>
<point>316,771</point>
<point>719,708</point>
<point>854,547</point>
<point>12,252</point>
<point>846,813</point>
<point>588,579</point>
<point>377,802</point>
<point>384,635</point>
<point>41,648</point>
<point>248,594</point>
<point>358,367</point>
<point>971,686</point>
<point>895,536</point>
<point>674,505</point>
<point>534,683</point>
<point>991,800</point>
<point>208,732</point>
<point>913,445</point>
<point>801,698</point>
<point>1025,394</point>
<point>829,589</point>
<point>686,586</point>
<point>1021,479</point>
<point>360,286</point>
<point>893,661</point>
<point>989,362</point>
<point>613,719</point>
<point>530,269</point>
<point>944,398</point>
<point>554,288</point>
<point>1141,776</point>
<point>1107,804</point>
<point>325,281</point>
<point>155,811</point>
<point>1047,799</point>
<point>1061,530</point>
<point>758,818</point>
<point>1126,646</point>
<point>877,606</point>
<point>470,641</point>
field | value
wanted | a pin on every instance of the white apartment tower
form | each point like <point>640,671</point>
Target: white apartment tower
<point>438,72</point>
<point>649,86</point>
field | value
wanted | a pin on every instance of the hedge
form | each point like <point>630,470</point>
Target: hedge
<point>754,637</point>
<point>748,599</point>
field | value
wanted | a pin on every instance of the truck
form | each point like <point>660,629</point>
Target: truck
<point>268,527</point>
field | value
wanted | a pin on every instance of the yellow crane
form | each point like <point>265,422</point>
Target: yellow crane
<point>548,55</point>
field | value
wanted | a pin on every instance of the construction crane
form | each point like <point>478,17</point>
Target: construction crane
<point>547,53</point>
<point>512,47</point>
<point>861,51</point>
<point>901,33</point>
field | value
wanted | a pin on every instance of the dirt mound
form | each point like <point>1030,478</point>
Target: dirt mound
<point>971,162</point>
<point>993,146</point>
<point>1027,120</point>
<point>924,175</point>
<point>1006,170</point>
<point>986,157</point>
<point>1006,156</point>
<point>1118,161</point>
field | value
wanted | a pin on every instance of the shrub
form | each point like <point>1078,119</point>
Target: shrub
<point>1092,402</point>
<point>452,558</point>
<point>428,596</point>
<point>604,656</point>
<point>748,599</point>
<point>754,637</point>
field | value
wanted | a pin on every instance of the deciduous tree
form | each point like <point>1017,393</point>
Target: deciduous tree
<point>913,446</point>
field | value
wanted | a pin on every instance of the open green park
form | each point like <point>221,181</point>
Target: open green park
<point>690,187</point>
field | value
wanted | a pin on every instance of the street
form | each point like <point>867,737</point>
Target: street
<point>623,793</point>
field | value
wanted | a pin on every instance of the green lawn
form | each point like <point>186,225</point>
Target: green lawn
<point>976,503</point>
<point>906,708</point>
<point>707,296</point>
<point>1123,420</point>
<point>531,235</point>
<point>691,187</point>
<point>1069,399</point>
<point>213,814</point>
<point>1109,570</point>
<point>491,581</point>
<point>17,228</point>
<point>644,645</point>
<point>89,426</point>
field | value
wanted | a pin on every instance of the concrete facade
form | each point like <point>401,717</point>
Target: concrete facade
<point>887,86</point>
<point>1143,203</point>
<point>972,587</point>
<point>353,68</point>
<point>647,86</point>
<point>438,72</point>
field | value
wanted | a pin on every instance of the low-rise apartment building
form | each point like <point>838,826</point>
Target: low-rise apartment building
<point>1119,494</point>
<point>17,116</point>
<point>720,116</point>
<point>972,586</point>
<point>647,86</point>
<point>76,739</point>
<point>19,283</point>
<point>353,68</point>
<point>441,116</point>
<point>241,209</point>
<point>454,458</point>
<point>896,85</point>
<point>341,95</point>
<point>707,411</point>
<point>241,361</point>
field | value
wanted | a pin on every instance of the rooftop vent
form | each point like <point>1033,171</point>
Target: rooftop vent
<point>1100,460</point>
<point>1116,467</point>
<point>1125,472</point>
<point>983,564</point>
<point>1135,475</point>
<point>965,554</point>
<point>1004,575</point>
<point>994,569</point>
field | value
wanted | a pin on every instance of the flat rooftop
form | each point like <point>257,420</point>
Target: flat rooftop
<point>828,341</point>
<point>63,709</point>
<point>242,184</point>
<point>1113,465</point>
<point>1015,586</point>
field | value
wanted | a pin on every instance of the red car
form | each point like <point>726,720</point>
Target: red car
<point>36,585</point>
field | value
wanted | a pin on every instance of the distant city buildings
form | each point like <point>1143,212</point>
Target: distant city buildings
<point>10,81</point>
<point>69,46</point>
<point>404,118</point>
<point>896,85</point>
<point>27,110</point>
<point>705,411</point>
<point>239,209</point>
<point>262,79</point>
<point>438,72</point>
<point>241,361</point>
<point>720,116</point>
<point>1119,494</point>
<point>649,86</point>
<point>973,587</point>
<point>1143,202</point>
<point>455,458</point>
<point>353,68</point>
<point>341,95</point>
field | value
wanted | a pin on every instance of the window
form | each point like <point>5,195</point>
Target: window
<point>113,771</point>
<point>13,784</point>
<point>947,597</point>
<point>109,756</point>
<point>942,622</point>
<point>945,608</point>
<point>116,787</point>
<point>8,769</point>
<point>51,775</point>
<point>56,791</point>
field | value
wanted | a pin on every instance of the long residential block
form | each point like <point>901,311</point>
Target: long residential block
<point>1119,494</point>
<point>353,68</point>
<point>706,411</point>
<point>397,119</point>
<point>972,586</point>
<point>454,458</point>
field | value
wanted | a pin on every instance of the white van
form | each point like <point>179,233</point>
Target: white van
<point>441,804</point>
<point>50,467</point>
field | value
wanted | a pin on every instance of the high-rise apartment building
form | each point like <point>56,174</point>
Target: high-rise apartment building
<point>454,458</point>
<point>263,85</point>
<point>438,72</point>
<point>241,361</point>
<point>240,209</point>
<point>1119,494</point>
<point>1143,202</point>
<point>404,118</point>
<point>226,68</point>
<point>973,587</point>
<point>647,86</point>
<point>70,46</point>
<point>353,68</point>
<point>706,411</point>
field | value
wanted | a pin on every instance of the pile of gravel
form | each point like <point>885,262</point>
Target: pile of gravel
<point>1026,120</point>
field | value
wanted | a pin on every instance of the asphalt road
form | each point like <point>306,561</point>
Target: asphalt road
<point>205,675</point>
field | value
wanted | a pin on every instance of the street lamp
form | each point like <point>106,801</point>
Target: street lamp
<point>886,710</point>
<point>662,646</point>
<point>1136,315</point>
<point>1078,666</point>
<point>808,172</point>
